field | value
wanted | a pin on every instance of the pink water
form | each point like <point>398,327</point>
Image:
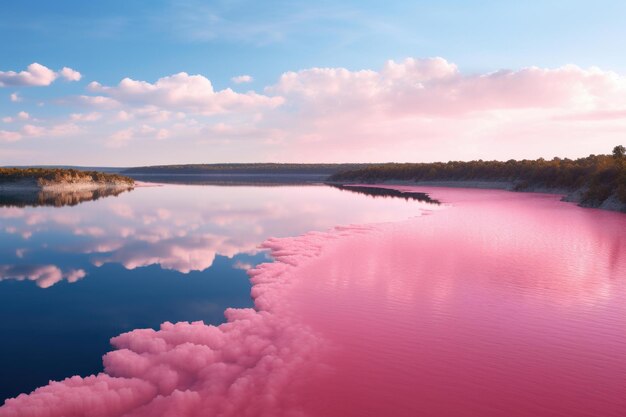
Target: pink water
<point>500,304</point>
<point>503,305</point>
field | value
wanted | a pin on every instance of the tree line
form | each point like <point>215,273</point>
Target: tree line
<point>58,175</point>
<point>599,176</point>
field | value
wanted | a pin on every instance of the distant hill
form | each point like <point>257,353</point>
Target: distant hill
<point>240,174</point>
<point>247,168</point>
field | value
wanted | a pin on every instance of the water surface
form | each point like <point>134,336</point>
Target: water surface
<point>504,304</point>
<point>75,275</point>
<point>491,304</point>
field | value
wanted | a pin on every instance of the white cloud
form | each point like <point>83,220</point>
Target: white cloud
<point>36,75</point>
<point>184,92</point>
<point>23,115</point>
<point>70,74</point>
<point>241,79</point>
<point>15,97</point>
<point>97,102</point>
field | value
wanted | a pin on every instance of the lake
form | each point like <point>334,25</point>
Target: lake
<point>492,303</point>
<point>72,277</point>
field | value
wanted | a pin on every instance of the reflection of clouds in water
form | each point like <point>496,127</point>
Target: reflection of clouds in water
<point>245,266</point>
<point>256,364</point>
<point>43,275</point>
<point>194,253</point>
<point>92,231</point>
<point>184,228</point>
<point>122,210</point>
<point>12,230</point>
<point>11,212</point>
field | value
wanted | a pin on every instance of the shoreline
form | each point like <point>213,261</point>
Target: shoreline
<point>568,195</point>
<point>28,186</point>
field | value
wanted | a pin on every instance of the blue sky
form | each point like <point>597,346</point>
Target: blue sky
<point>108,41</point>
<point>112,39</point>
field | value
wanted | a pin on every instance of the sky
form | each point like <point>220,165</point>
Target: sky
<point>129,83</point>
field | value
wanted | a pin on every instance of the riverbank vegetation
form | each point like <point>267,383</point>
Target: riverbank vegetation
<point>57,176</point>
<point>597,178</point>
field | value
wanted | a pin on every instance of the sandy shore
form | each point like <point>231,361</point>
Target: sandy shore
<point>31,185</point>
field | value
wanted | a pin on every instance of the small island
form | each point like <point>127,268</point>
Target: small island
<point>57,187</point>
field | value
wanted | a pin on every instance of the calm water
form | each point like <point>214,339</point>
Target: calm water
<point>491,304</point>
<point>72,277</point>
<point>504,304</point>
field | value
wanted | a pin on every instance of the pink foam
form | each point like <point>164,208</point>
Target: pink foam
<point>253,365</point>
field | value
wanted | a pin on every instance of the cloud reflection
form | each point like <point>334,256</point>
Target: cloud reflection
<point>184,228</point>
<point>43,275</point>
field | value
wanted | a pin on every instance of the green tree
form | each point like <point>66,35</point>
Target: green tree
<point>618,154</point>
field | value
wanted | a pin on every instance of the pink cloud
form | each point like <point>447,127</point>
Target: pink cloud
<point>434,87</point>
<point>425,110</point>
<point>407,110</point>
<point>9,136</point>
<point>36,75</point>
<point>35,131</point>
<point>122,137</point>
<point>595,115</point>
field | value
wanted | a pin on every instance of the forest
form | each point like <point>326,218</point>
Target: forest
<point>598,176</point>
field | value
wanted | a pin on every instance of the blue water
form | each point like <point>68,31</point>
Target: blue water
<point>72,277</point>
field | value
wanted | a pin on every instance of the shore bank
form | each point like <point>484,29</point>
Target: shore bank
<point>57,187</point>
<point>31,185</point>
<point>573,196</point>
<point>60,180</point>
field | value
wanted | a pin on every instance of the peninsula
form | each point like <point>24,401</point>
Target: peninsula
<point>59,180</point>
